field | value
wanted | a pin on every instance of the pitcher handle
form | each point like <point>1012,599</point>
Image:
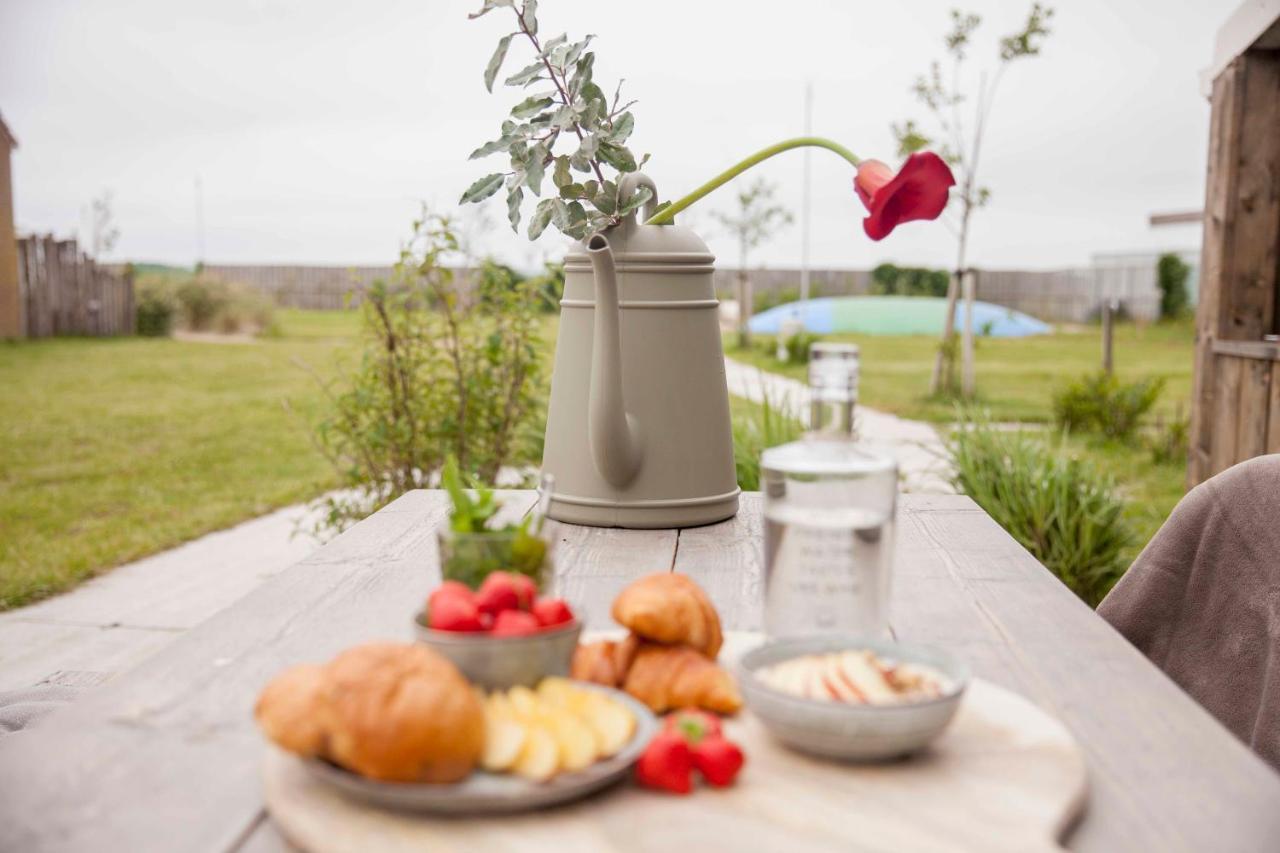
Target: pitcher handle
<point>629,184</point>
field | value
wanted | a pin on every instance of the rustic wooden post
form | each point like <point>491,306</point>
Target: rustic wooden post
<point>744,309</point>
<point>13,323</point>
<point>1236,399</point>
<point>1109,307</point>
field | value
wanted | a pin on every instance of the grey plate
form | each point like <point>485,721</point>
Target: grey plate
<point>497,793</point>
<point>851,732</point>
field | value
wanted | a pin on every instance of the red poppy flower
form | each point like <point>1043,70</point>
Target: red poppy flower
<point>918,191</point>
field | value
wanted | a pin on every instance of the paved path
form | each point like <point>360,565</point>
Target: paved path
<point>111,623</point>
<point>915,444</point>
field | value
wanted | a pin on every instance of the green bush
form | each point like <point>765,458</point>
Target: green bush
<point>891,280</point>
<point>200,300</point>
<point>1102,403</point>
<point>798,347</point>
<point>757,426</point>
<point>550,287</point>
<point>1171,278</point>
<point>1170,442</point>
<point>1062,510</point>
<point>766,299</point>
<point>443,370</point>
<point>154,305</point>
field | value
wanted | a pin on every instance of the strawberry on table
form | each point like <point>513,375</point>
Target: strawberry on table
<point>526,589</point>
<point>667,764</point>
<point>450,588</point>
<point>497,593</point>
<point>454,613</point>
<point>514,623</point>
<point>694,724</point>
<point>718,760</point>
<point>551,612</point>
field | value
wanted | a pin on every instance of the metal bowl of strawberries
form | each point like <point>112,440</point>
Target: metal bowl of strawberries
<point>502,634</point>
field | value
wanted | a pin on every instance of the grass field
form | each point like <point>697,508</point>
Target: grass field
<point>111,449</point>
<point>1016,380</point>
<point>1016,377</point>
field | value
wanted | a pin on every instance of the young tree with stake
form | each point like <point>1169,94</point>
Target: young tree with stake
<point>756,219</point>
<point>961,147</point>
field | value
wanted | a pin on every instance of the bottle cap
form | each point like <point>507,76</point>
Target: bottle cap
<point>833,372</point>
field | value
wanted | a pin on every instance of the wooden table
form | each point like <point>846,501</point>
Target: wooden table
<point>167,757</point>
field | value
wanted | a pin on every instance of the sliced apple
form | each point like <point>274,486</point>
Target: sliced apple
<point>504,740</point>
<point>576,740</point>
<point>613,724</point>
<point>859,667</point>
<point>539,757</point>
<point>837,682</point>
<point>524,702</point>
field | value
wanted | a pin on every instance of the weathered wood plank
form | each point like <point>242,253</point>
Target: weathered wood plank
<point>168,755</point>
<point>1273,411</point>
<point>1157,760</point>
<point>1215,263</point>
<point>726,560</point>
<point>593,564</point>
<point>1251,411</point>
<point>1226,403</point>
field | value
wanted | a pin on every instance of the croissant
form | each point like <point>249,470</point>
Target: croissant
<point>290,709</point>
<point>670,608</point>
<point>666,677</point>
<point>604,662</point>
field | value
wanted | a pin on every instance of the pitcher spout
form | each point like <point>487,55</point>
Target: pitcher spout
<point>612,433</point>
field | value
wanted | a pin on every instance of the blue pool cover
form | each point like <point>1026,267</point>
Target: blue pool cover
<point>895,315</point>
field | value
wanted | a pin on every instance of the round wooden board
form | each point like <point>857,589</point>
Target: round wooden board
<point>1005,776</point>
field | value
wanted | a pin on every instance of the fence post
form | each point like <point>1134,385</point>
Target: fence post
<point>1109,306</point>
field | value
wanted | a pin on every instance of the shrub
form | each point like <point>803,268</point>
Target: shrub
<point>766,299</point>
<point>1170,442</point>
<point>154,305</point>
<point>1062,510</point>
<point>756,426</point>
<point>1102,403</point>
<point>1171,278</point>
<point>550,287</point>
<point>891,280</point>
<point>200,300</point>
<point>798,347</point>
<point>442,371</point>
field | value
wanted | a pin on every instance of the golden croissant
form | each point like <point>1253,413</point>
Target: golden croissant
<point>667,677</point>
<point>670,608</point>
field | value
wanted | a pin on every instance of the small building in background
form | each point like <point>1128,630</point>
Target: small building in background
<point>11,321</point>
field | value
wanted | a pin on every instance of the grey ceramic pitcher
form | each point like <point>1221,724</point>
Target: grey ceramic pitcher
<point>638,431</point>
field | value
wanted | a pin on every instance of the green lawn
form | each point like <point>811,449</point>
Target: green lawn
<point>1016,377</point>
<point>112,449</point>
<point>1016,380</point>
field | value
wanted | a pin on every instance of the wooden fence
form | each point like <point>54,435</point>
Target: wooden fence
<point>64,292</point>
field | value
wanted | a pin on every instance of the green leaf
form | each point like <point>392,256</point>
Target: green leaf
<point>637,200</point>
<point>581,74</point>
<point>575,50</point>
<point>573,191</point>
<point>531,105</point>
<point>561,176</point>
<point>549,47</point>
<point>530,16</point>
<point>526,75</point>
<point>541,217</point>
<point>617,156</point>
<point>483,188</point>
<point>495,62</point>
<point>493,147</point>
<point>490,5</point>
<point>622,127</point>
<point>606,199</point>
<point>535,167</point>
<point>513,208</point>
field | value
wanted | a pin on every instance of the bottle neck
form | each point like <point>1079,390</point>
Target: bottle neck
<point>831,418</point>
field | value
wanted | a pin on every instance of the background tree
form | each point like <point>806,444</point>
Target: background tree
<point>756,219</point>
<point>958,138</point>
<point>102,222</point>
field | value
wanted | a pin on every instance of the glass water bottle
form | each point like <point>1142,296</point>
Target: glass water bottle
<point>829,503</point>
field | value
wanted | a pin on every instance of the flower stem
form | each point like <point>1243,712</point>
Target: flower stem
<point>667,214</point>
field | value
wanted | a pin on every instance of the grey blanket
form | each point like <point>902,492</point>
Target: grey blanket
<point>1202,601</point>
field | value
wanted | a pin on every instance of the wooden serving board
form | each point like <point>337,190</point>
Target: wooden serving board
<point>1005,776</point>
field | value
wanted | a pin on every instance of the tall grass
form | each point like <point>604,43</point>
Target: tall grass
<point>770,422</point>
<point>1061,509</point>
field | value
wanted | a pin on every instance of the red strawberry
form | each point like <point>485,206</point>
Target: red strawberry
<point>694,724</point>
<point>526,589</point>
<point>514,623</point>
<point>497,594</point>
<point>454,613</point>
<point>450,588</point>
<point>667,764</point>
<point>551,612</point>
<point>718,760</point>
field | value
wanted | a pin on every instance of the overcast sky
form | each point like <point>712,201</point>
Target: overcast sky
<point>316,126</point>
